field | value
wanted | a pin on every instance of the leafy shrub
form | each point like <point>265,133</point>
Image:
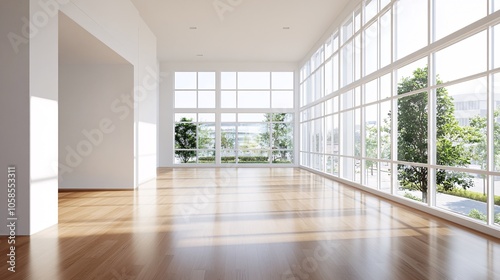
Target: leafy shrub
<point>476,214</point>
<point>469,194</point>
<point>411,196</point>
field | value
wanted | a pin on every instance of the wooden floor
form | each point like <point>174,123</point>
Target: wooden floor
<point>247,224</point>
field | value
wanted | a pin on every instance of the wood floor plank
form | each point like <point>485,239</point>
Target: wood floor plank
<point>247,224</point>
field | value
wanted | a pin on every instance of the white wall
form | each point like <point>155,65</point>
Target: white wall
<point>96,142</point>
<point>29,92</point>
<point>166,97</point>
<point>14,112</point>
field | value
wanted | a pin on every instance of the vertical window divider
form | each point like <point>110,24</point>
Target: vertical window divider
<point>490,130</point>
<point>431,113</point>
<point>218,105</point>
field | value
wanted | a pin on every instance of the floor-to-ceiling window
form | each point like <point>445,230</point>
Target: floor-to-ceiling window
<point>404,98</point>
<point>234,118</point>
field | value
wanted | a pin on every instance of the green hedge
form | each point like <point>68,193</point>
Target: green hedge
<point>470,194</point>
<point>476,214</point>
<point>241,159</point>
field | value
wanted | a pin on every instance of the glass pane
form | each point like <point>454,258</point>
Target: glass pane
<point>228,117</point>
<point>206,117</point>
<point>253,135</point>
<point>357,20</point>
<point>206,136</point>
<point>347,168</point>
<point>282,117</point>
<point>412,76</point>
<point>253,156</point>
<point>496,145</point>
<point>496,130</point>
<point>385,87</point>
<point>357,132</point>
<point>206,156</point>
<point>412,182</point>
<point>370,9</point>
<point>335,72</point>
<point>411,26</point>
<point>243,117</point>
<point>185,99</point>
<point>185,156</point>
<point>371,173</point>
<point>385,130</point>
<point>336,135</point>
<point>358,49</point>
<point>347,120</point>
<point>462,193</point>
<point>385,177</point>
<point>384,3</point>
<point>206,80</point>
<point>185,80</point>
<point>328,48</point>
<point>347,30</point>
<point>282,80</point>
<point>412,128</point>
<point>228,136</point>
<point>335,39</point>
<point>450,61</point>
<point>228,80</point>
<point>282,99</point>
<point>347,70</point>
<point>254,99</point>
<point>281,137</point>
<point>254,80</point>
<point>371,132</point>
<point>335,166</point>
<point>385,39</point>
<point>346,100</point>
<point>461,125</point>
<point>282,156</point>
<point>328,77</point>
<point>206,99</point>
<point>371,48</point>
<point>451,15</point>
<point>496,45</point>
<point>228,99</point>
<point>371,91</point>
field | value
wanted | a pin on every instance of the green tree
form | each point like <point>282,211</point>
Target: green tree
<point>185,139</point>
<point>371,145</point>
<point>280,138</point>
<point>412,124</point>
<point>479,131</point>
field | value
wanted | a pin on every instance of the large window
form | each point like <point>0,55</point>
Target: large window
<point>239,118</point>
<point>397,116</point>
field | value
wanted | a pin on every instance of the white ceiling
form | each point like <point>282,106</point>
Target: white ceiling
<point>240,31</point>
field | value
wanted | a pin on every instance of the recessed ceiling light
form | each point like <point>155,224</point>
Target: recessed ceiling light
<point>200,54</point>
<point>193,27</point>
<point>286,27</point>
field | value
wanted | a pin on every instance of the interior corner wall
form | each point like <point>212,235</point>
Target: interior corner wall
<point>119,26</point>
<point>29,93</point>
<point>14,112</point>
<point>96,139</point>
